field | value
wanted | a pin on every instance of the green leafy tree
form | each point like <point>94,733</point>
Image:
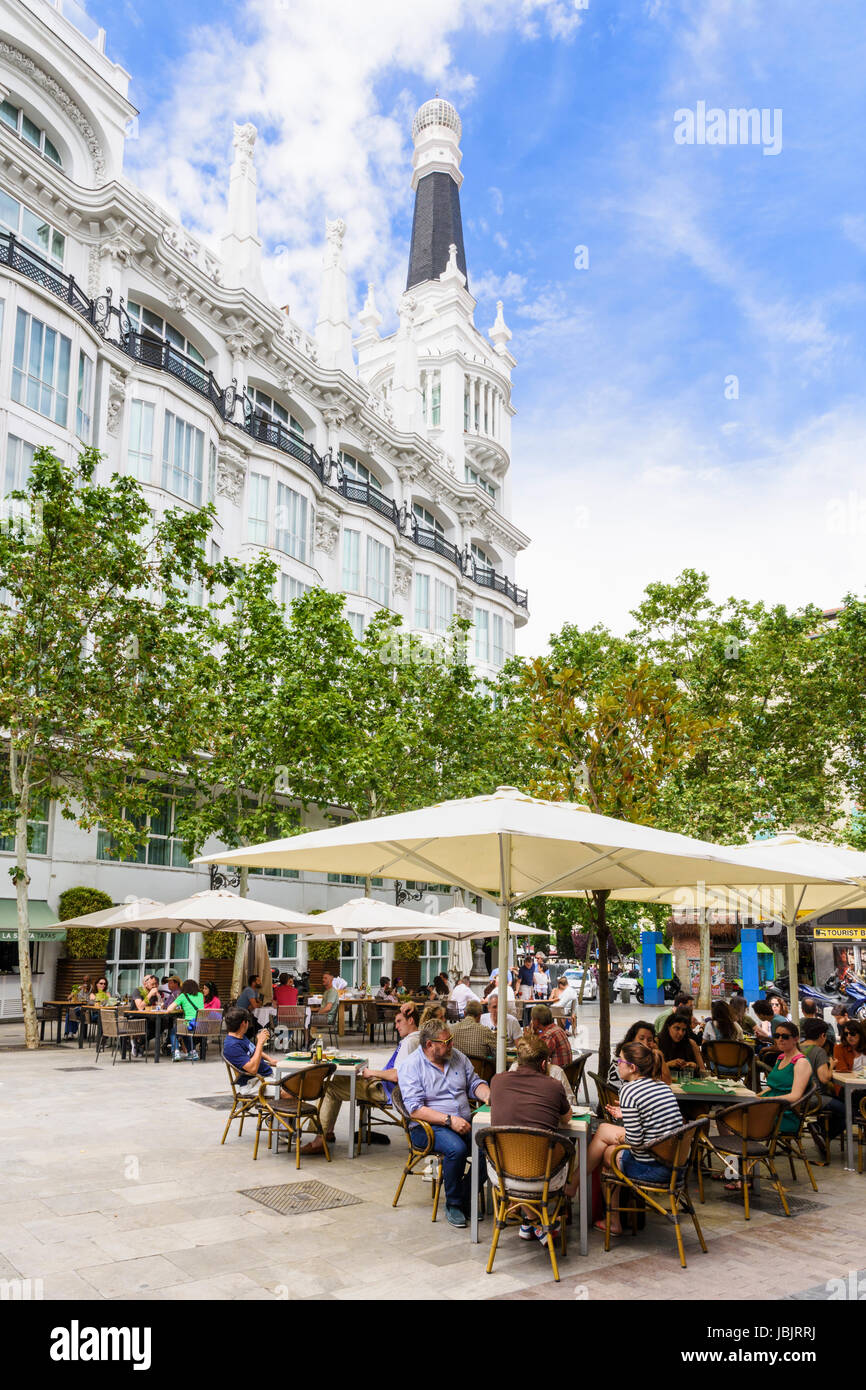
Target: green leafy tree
<point>99,647</point>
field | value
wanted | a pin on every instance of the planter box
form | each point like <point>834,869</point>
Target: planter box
<point>410,971</point>
<point>317,969</point>
<point>220,971</point>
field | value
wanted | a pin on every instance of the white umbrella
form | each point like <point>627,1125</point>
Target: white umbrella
<point>121,916</point>
<point>460,956</point>
<point>802,899</point>
<point>220,910</point>
<point>507,847</point>
<point>364,917</point>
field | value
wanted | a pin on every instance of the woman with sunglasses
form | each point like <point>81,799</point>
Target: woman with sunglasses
<point>101,994</point>
<point>849,1054</point>
<point>791,1076</point>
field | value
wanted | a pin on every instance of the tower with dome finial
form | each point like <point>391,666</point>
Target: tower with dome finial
<point>436,178</point>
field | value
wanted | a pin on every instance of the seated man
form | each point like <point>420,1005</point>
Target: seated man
<point>470,1035</point>
<point>816,1048</point>
<point>245,1055</point>
<point>682,1002</point>
<point>461,994</point>
<point>327,1009</point>
<point>436,1083</point>
<point>384,991</point>
<point>809,1010</point>
<point>544,1026</point>
<point>147,994</point>
<point>251,997</point>
<point>371,1085</point>
<point>491,1018</point>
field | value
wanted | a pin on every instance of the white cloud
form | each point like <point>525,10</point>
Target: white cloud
<point>855,230</point>
<point>497,200</point>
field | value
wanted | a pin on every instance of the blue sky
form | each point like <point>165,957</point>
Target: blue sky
<point>705,262</point>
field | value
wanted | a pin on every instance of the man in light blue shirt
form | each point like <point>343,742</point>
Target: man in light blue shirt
<point>436,1083</point>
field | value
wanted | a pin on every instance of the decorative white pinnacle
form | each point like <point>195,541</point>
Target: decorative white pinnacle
<point>452,271</point>
<point>500,333</point>
<point>369,317</point>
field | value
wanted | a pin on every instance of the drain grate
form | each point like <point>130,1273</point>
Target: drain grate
<point>294,1198</point>
<point>77,1069</point>
<point>213,1102</point>
<point>768,1200</point>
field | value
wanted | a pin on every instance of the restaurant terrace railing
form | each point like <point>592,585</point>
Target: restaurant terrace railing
<point>113,323</point>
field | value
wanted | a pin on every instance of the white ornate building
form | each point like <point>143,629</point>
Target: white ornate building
<point>378,467</point>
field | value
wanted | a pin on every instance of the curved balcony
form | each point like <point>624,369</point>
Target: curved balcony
<point>113,324</point>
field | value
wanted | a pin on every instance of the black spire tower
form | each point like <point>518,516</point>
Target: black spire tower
<point>437,223</point>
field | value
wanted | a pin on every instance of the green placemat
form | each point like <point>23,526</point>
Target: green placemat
<point>343,1058</point>
<point>704,1087</point>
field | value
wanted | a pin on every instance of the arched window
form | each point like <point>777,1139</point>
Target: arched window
<point>272,409</point>
<point>29,132</point>
<point>427,520</point>
<point>32,229</point>
<point>480,481</point>
<point>359,471</point>
<point>152,326</point>
<point>483,563</point>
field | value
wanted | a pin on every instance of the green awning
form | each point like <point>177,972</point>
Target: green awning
<point>43,921</point>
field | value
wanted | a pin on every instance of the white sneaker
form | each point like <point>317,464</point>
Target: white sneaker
<point>193,1056</point>
<point>177,1055</point>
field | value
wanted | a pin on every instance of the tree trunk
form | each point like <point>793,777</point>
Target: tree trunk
<point>705,983</point>
<point>585,966</point>
<point>600,897</point>
<point>21,791</point>
<point>241,944</point>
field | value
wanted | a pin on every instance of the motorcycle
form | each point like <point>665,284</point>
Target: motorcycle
<point>671,989</point>
<point>854,998</point>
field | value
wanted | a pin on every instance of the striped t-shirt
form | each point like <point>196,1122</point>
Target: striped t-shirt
<point>649,1113</point>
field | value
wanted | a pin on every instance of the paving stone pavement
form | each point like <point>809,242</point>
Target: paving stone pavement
<point>115,1187</point>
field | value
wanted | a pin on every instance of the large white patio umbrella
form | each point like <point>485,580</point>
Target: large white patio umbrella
<point>805,897</point>
<point>364,917</point>
<point>123,915</point>
<point>507,847</point>
<point>220,910</point>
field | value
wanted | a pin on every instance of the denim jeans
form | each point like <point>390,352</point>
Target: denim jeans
<point>455,1150</point>
<point>835,1108</point>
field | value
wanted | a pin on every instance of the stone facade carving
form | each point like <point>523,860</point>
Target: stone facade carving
<point>179,301</point>
<point>118,249</point>
<point>244,142</point>
<point>116,397</point>
<point>238,344</point>
<point>192,251</point>
<point>93,259</point>
<point>49,84</point>
<point>327,531</point>
<point>402,576</point>
<point>231,472</point>
<point>334,233</point>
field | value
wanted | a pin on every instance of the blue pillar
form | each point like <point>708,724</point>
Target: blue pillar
<point>656,964</point>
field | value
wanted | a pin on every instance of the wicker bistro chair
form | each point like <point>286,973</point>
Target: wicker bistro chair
<point>418,1153</point>
<point>607,1095</point>
<point>296,1110</point>
<point>680,1150</point>
<point>791,1144</point>
<point>245,1099</point>
<point>374,1018</point>
<point>724,1057</point>
<point>208,1023</point>
<point>485,1067</point>
<point>575,1074</point>
<point>532,1168</point>
<point>46,1013</point>
<point>325,1023</point>
<point>120,1030</point>
<point>749,1133</point>
<point>293,1018</point>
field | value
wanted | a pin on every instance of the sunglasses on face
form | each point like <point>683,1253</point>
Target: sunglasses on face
<point>786,1037</point>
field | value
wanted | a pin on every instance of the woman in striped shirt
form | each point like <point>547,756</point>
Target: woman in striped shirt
<point>649,1112</point>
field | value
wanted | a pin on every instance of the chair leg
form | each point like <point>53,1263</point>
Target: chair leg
<point>547,1226</point>
<point>258,1133</point>
<point>697,1225</point>
<point>498,1225</point>
<point>228,1125</point>
<point>676,1219</point>
<point>744,1178</point>
<point>607,1199</point>
<point>403,1177</point>
<point>808,1167</point>
<point>437,1189</point>
<point>777,1183</point>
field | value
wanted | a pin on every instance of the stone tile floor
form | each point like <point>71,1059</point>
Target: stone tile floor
<point>114,1185</point>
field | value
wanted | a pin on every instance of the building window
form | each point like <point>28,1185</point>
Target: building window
<point>445,597</point>
<point>354,880</point>
<point>257,509</point>
<point>32,229</point>
<point>283,950</point>
<point>466,406</point>
<point>378,571</point>
<point>483,563</point>
<point>480,481</point>
<point>29,131</point>
<point>292,588</point>
<point>422,602</point>
<point>434,960</point>
<point>215,553</point>
<point>291,522</point>
<point>182,459</point>
<point>432,408</point>
<point>356,623</point>
<point>482,634</point>
<point>352,561</point>
<point>498,640</point>
<point>134,954</point>
<point>19,464</point>
<point>211,472</point>
<point>153,326</point>
<point>426,520</point>
<point>160,845</point>
<point>40,371</point>
<point>139,455</point>
<point>359,471</point>
<point>83,405</point>
<point>37,827</point>
<point>264,405</point>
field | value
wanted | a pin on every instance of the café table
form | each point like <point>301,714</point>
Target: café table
<point>851,1081</point>
<point>64,1007</point>
<point>346,1066</point>
<point>577,1128</point>
<point>158,1015</point>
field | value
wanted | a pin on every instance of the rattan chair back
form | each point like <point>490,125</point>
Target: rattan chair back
<point>756,1120</point>
<point>678,1150</point>
<point>310,1083</point>
<point>523,1154</point>
<point>728,1054</point>
<point>208,1023</point>
<point>607,1094</point>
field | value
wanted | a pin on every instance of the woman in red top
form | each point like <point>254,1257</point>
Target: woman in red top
<point>284,993</point>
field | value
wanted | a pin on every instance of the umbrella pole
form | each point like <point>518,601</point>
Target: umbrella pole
<point>793,951</point>
<point>504,915</point>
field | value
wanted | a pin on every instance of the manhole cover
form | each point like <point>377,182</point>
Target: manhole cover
<point>213,1102</point>
<point>76,1069</point>
<point>296,1197</point>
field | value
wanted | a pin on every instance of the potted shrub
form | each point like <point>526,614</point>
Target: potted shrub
<point>407,962</point>
<point>86,947</point>
<point>321,955</point>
